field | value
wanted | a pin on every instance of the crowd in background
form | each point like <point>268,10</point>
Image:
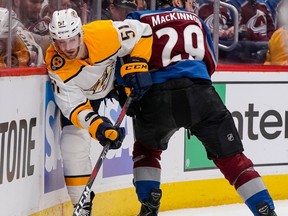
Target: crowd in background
<point>262,27</point>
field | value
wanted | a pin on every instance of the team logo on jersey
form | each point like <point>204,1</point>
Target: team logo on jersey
<point>57,62</point>
<point>103,82</point>
<point>258,23</point>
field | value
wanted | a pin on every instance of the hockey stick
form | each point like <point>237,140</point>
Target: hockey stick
<point>99,163</point>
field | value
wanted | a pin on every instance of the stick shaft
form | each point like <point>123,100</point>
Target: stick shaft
<point>99,162</point>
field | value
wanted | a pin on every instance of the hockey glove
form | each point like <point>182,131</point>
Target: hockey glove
<point>136,77</point>
<point>105,132</point>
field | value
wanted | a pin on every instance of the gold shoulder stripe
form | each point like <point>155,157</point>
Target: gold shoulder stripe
<point>101,39</point>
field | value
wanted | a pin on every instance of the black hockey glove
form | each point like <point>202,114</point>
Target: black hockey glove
<point>105,132</point>
<point>136,77</point>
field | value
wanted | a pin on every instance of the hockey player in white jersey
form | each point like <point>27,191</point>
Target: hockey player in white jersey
<point>81,64</point>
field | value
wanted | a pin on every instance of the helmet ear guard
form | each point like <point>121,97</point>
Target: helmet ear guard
<point>65,24</point>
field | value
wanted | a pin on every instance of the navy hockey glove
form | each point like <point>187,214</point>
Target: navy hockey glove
<point>103,130</point>
<point>136,77</point>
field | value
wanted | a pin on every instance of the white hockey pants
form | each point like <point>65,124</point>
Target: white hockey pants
<point>75,149</point>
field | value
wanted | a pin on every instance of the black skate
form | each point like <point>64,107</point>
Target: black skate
<point>264,210</point>
<point>151,206</point>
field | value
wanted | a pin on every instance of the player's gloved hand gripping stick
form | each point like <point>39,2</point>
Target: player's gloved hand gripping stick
<point>99,162</point>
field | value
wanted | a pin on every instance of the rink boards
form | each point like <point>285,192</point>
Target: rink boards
<point>31,175</point>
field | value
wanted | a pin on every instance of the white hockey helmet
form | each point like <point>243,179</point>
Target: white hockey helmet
<point>4,22</point>
<point>65,24</point>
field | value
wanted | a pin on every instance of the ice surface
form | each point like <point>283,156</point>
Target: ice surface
<point>223,210</point>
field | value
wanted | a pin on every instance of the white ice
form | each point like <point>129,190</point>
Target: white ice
<point>226,210</point>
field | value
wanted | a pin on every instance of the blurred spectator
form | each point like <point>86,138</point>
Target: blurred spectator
<point>256,22</point>
<point>277,53</point>
<point>37,16</point>
<point>278,44</point>
<point>256,26</point>
<point>265,7</point>
<point>105,14</point>
<point>192,6</point>
<point>25,51</point>
<point>141,5</point>
<point>3,3</point>
<point>120,8</point>
<point>84,12</point>
<point>53,5</point>
<point>28,11</point>
<point>206,12</point>
<point>271,6</point>
<point>40,28</point>
<point>280,16</point>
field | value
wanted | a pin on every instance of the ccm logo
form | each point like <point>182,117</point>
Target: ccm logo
<point>136,67</point>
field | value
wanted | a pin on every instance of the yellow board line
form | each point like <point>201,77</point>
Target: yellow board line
<point>197,193</point>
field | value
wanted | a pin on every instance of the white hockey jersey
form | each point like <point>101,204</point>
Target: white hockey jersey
<point>77,81</point>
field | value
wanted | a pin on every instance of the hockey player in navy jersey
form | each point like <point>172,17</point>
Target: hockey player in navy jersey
<point>181,65</point>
